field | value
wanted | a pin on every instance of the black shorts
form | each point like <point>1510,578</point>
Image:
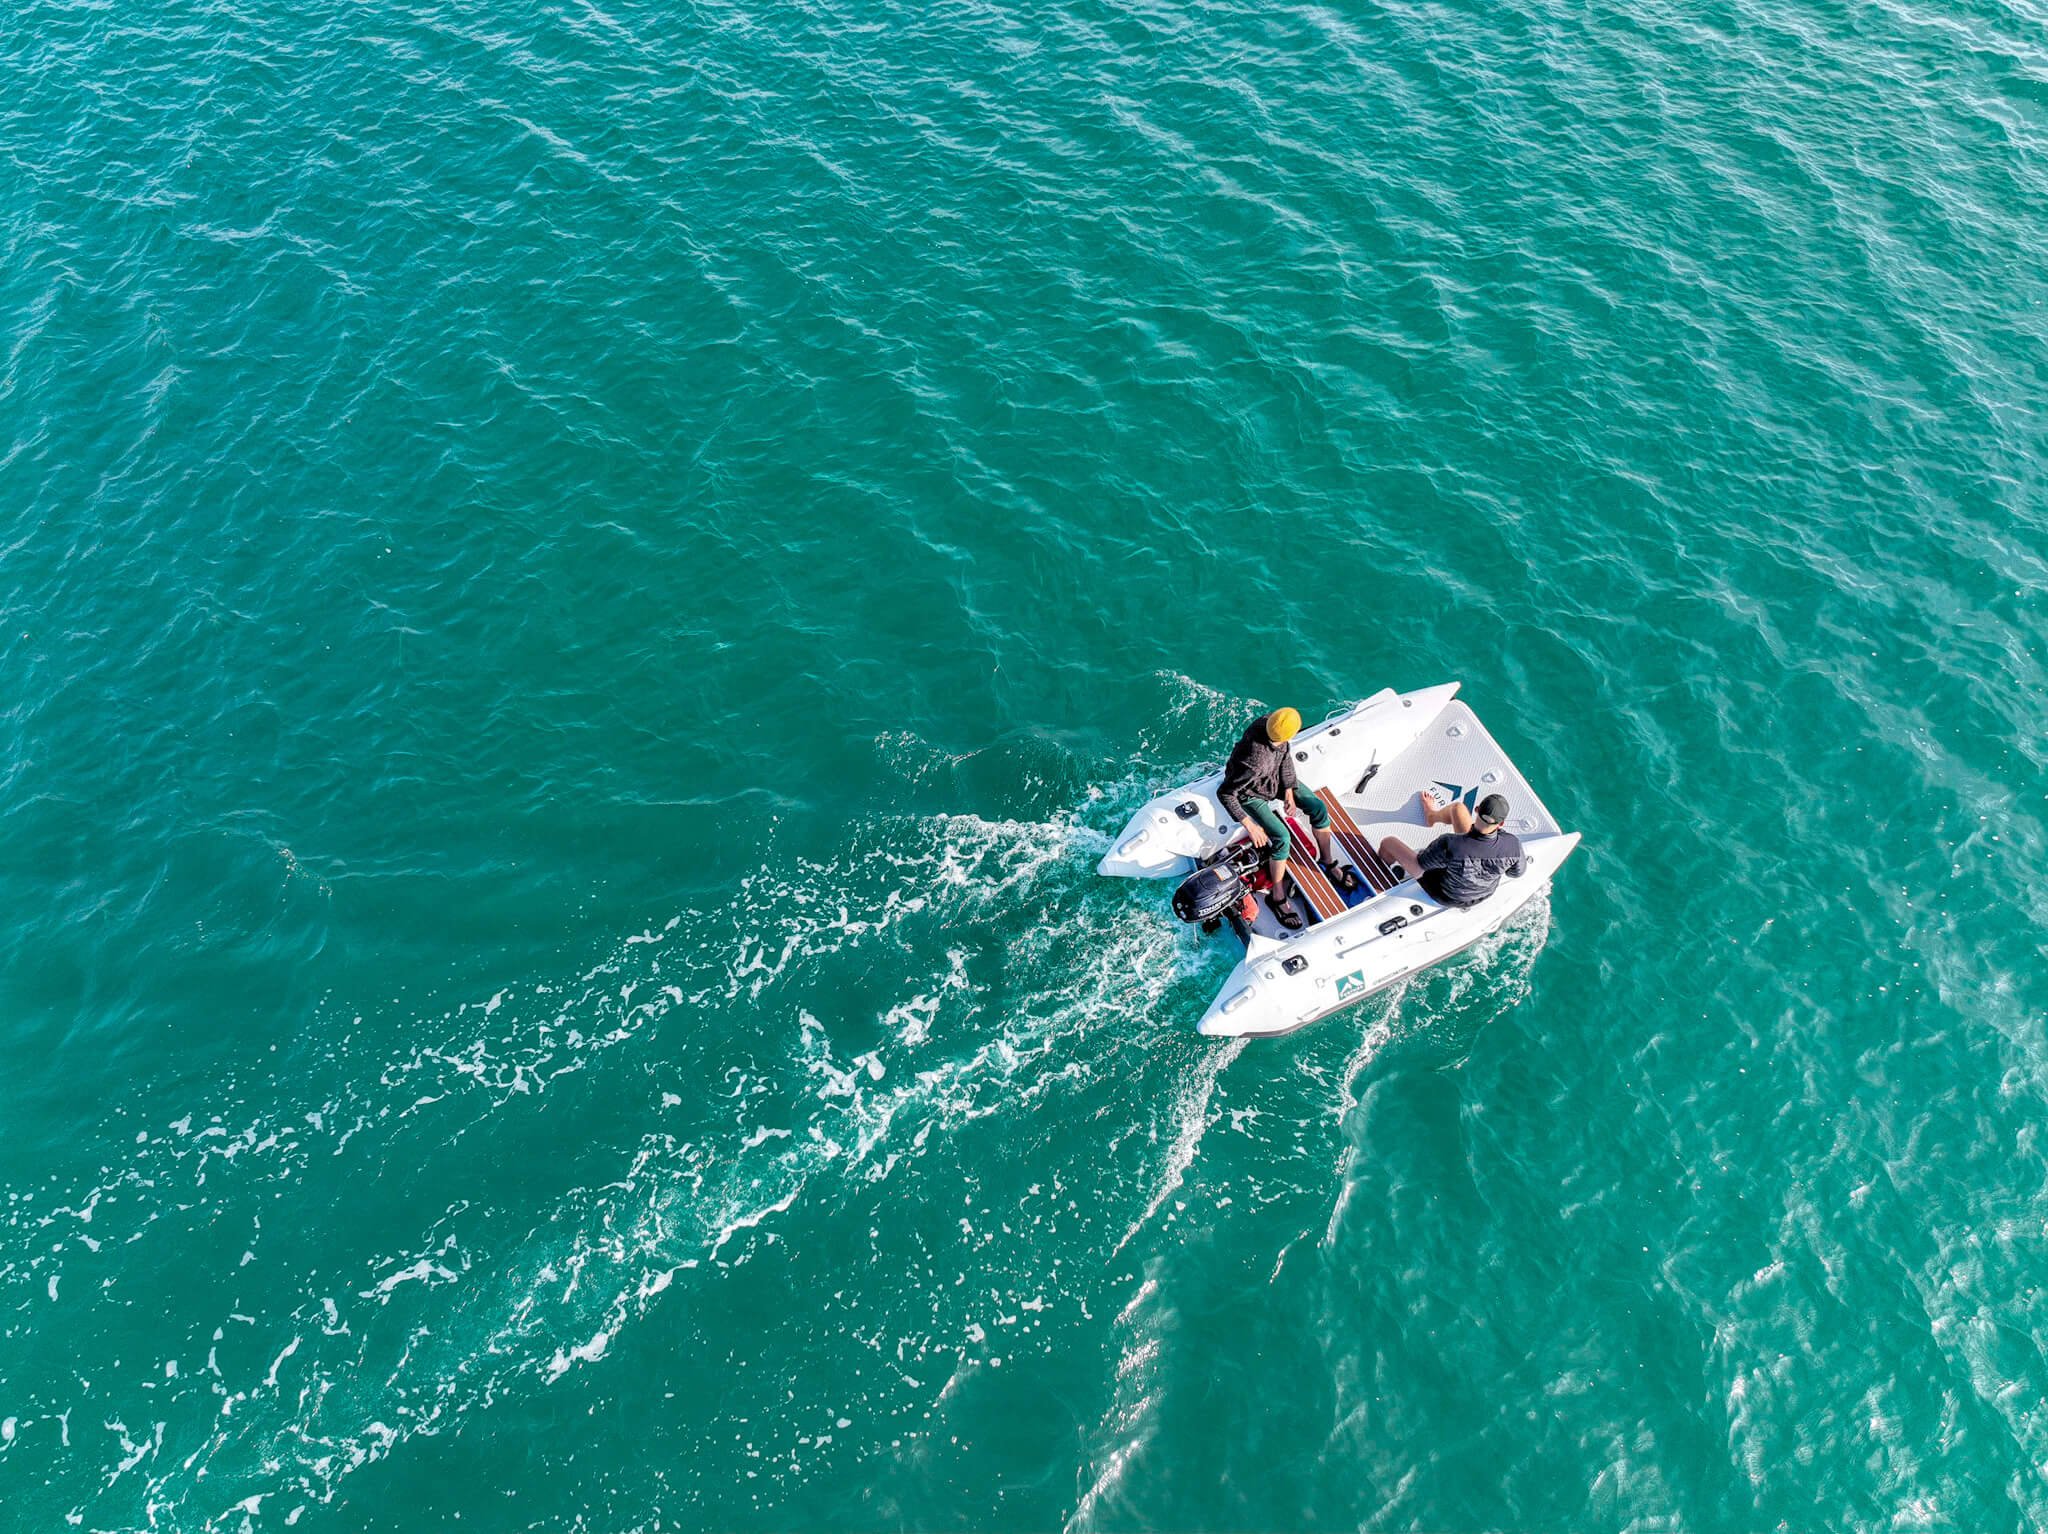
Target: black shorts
<point>1432,882</point>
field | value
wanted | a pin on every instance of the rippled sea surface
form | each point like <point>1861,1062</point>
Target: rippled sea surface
<point>584,584</point>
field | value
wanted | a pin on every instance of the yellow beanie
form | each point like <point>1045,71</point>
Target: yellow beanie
<point>1281,725</point>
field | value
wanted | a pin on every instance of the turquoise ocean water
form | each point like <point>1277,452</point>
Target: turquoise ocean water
<point>585,582</point>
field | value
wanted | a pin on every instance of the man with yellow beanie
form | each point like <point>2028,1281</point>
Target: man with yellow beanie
<point>1257,781</point>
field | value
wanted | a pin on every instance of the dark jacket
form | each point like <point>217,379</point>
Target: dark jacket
<point>1468,868</point>
<point>1257,769</point>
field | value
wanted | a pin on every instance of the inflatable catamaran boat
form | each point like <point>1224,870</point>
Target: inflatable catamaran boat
<point>1368,763</point>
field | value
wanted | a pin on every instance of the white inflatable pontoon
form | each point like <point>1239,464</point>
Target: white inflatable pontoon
<point>1367,763</point>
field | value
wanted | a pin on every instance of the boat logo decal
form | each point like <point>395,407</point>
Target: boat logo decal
<point>1469,797</point>
<point>1346,984</point>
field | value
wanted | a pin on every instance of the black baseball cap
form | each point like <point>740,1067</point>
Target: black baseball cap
<point>1493,809</point>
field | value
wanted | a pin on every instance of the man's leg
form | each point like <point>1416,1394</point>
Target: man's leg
<point>1318,814</point>
<point>1396,853</point>
<point>1454,814</point>
<point>1318,818</point>
<point>1267,814</point>
<point>1278,843</point>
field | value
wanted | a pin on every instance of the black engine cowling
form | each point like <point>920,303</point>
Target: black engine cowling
<point>1216,890</point>
<point>1208,893</point>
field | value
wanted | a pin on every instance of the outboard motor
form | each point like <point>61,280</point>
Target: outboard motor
<point>1208,894</point>
<point>1219,890</point>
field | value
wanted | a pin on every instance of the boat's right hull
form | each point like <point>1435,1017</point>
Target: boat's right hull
<point>1279,987</point>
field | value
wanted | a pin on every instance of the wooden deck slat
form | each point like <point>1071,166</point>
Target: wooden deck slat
<point>1369,861</point>
<point>1363,854</point>
<point>1308,873</point>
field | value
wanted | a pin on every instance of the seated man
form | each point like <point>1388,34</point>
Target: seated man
<point>1257,779</point>
<point>1463,868</point>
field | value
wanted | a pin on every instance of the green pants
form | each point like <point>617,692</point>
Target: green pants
<point>1267,813</point>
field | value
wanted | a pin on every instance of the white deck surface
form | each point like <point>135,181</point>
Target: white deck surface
<point>1455,756</point>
